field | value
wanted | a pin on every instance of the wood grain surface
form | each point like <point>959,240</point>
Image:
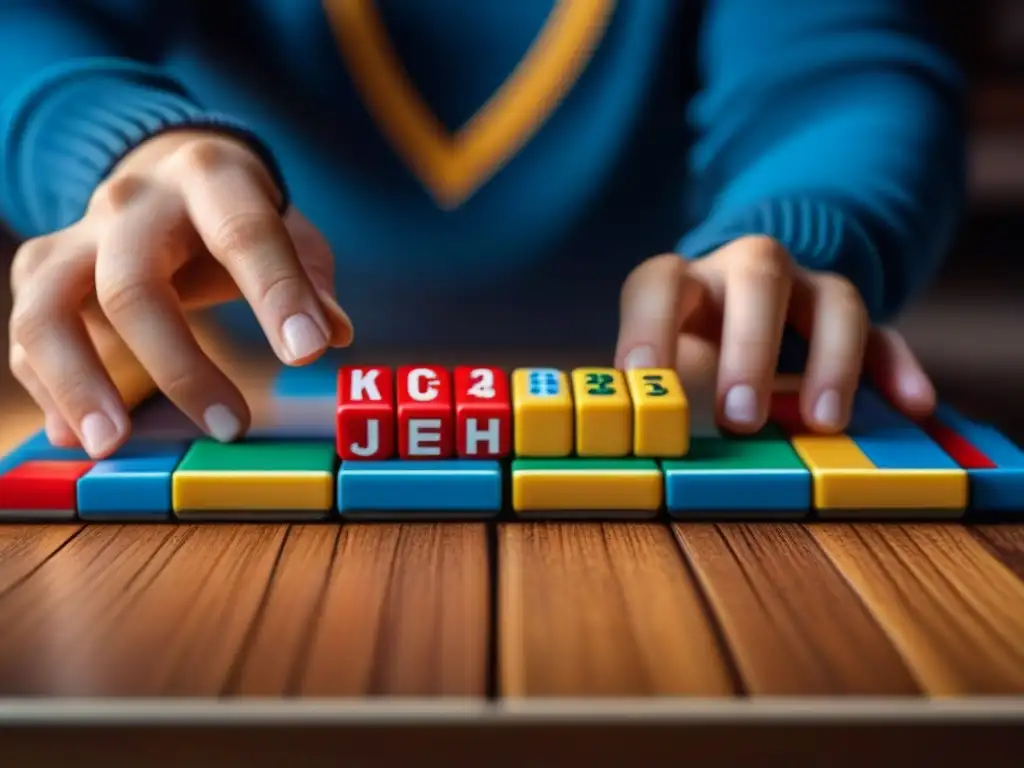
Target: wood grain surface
<point>516,613</point>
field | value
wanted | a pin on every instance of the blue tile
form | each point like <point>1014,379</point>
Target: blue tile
<point>755,476</point>
<point>452,487</point>
<point>992,490</point>
<point>130,488</point>
<point>890,440</point>
<point>750,491</point>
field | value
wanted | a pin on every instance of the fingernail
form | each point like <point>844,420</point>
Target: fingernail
<point>221,423</point>
<point>641,357</point>
<point>302,337</point>
<point>741,405</point>
<point>98,433</point>
<point>914,388</point>
<point>827,411</point>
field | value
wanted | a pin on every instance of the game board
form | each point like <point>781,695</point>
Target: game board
<point>426,442</point>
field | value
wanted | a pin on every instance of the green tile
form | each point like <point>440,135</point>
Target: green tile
<point>573,464</point>
<point>258,456</point>
<point>728,454</point>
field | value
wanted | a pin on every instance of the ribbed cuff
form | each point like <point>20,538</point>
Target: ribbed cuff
<point>819,235</point>
<point>70,126</point>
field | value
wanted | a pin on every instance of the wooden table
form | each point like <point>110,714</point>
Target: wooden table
<point>484,644</point>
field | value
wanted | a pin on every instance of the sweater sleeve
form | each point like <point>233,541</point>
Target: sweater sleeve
<point>836,128</point>
<point>79,88</point>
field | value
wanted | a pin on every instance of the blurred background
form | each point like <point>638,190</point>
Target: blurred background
<point>969,329</point>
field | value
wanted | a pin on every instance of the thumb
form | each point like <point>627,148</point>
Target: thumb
<point>317,260</point>
<point>650,314</point>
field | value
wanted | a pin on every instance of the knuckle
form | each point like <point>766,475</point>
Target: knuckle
<point>842,296</point>
<point>18,360</point>
<point>278,288</point>
<point>31,322</point>
<point>29,257</point>
<point>238,234</point>
<point>202,156</point>
<point>117,194</point>
<point>761,264</point>
<point>179,382</point>
<point>667,267</point>
<point>123,295</point>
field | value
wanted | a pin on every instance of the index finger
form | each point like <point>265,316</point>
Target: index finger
<point>651,313</point>
<point>230,206</point>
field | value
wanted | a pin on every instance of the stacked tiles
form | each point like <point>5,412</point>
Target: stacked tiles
<point>422,440</point>
<point>428,440</point>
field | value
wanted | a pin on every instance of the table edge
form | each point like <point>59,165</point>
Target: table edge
<point>419,712</point>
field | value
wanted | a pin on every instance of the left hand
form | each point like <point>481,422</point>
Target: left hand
<point>721,318</point>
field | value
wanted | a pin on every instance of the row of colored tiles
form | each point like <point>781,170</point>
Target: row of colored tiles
<point>982,470</point>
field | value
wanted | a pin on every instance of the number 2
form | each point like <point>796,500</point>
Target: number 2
<point>482,383</point>
<point>600,384</point>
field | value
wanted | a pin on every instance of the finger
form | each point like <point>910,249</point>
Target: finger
<point>56,426</point>
<point>697,362</point>
<point>895,370</point>
<point>317,259</point>
<point>651,312</point>
<point>757,277</point>
<point>46,323</point>
<point>831,312</point>
<point>237,220</point>
<point>134,268</point>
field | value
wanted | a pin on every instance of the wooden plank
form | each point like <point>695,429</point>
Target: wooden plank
<point>281,634</point>
<point>1006,542</point>
<point>587,609</point>
<point>794,626</point>
<point>144,610</point>
<point>24,548</point>
<point>54,620</point>
<point>955,613</point>
<point>405,613</point>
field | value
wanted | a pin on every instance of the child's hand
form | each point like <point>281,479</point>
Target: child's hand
<point>187,220</point>
<point>726,313</point>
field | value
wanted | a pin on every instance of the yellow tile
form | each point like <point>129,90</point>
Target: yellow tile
<point>607,491</point>
<point>661,413</point>
<point>256,491</point>
<point>542,418</point>
<point>845,479</point>
<point>604,418</point>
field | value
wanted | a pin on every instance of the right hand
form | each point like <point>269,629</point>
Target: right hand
<point>185,221</point>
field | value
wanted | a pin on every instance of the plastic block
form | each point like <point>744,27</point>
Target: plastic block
<point>746,476</point>
<point>604,413</point>
<point>408,488</point>
<point>41,490</point>
<point>258,479</point>
<point>483,413</point>
<point>661,413</point>
<point>129,488</point>
<point>365,415</point>
<point>542,413</point>
<point>425,412</point>
<point>586,487</point>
